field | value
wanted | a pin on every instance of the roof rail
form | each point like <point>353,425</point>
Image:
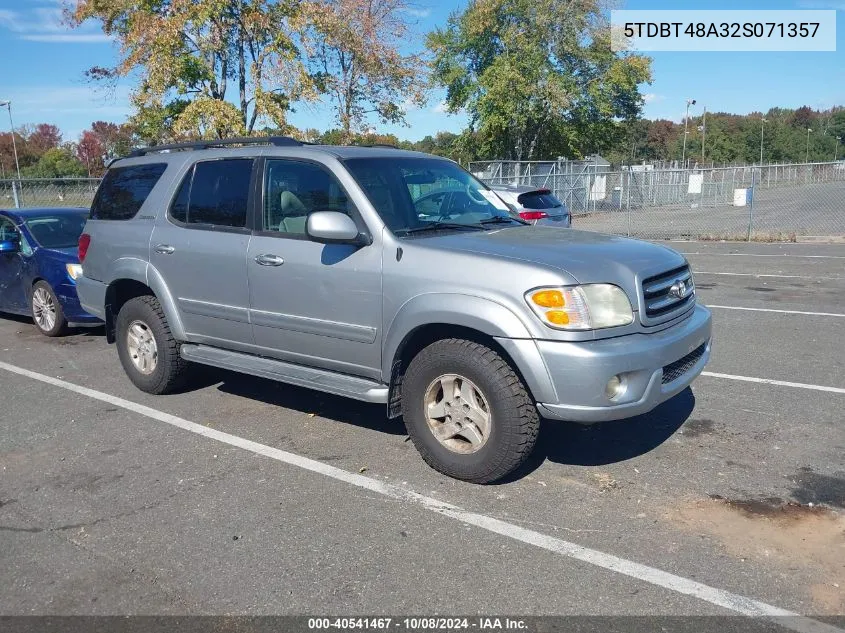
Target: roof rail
<point>278,141</point>
<point>379,145</point>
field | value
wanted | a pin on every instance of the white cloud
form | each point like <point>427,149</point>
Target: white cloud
<point>416,12</point>
<point>45,24</point>
<point>440,108</point>
<point>650,97</point>
<point>68,38</point>
<point>33,102</point>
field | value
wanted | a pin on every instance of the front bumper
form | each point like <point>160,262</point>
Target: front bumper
<point>580,371</point>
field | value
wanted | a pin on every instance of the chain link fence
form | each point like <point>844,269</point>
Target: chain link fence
<point>52,192</point>
<point>769,202</point>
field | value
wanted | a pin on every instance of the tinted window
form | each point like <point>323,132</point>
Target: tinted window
<point>538,200</point>
<point>57,231</point>
<point>124,190</point>
<point>293,189</point>
<point>214,193</point>
<point>179,208</point>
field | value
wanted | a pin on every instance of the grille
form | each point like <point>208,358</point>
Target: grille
<point>659,301</point>
<point>675,370</point>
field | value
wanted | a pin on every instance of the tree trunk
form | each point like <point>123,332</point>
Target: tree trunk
<point>242,78</point>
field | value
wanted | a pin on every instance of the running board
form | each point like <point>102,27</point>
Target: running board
<point>310,377</point>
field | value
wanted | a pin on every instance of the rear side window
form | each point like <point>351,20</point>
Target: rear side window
<point>124,190</point>
<point>538,200</point>
<point>214,193</point>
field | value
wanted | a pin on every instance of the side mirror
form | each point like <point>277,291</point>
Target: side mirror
<point>333,227</point>
<point>10,246</point>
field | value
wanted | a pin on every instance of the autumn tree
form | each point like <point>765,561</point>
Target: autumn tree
<point>181,51</point>
<point>115,139</point>
<point>42,138</point>
<point>538,78</point>
<point>353,50</point>
<point>90,152</point>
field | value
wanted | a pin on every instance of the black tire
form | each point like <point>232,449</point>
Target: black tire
<point>171,370</point>
<point>514,421</point>
<point>60,323</point>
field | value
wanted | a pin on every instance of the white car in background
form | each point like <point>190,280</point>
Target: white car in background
<point>536,205</point>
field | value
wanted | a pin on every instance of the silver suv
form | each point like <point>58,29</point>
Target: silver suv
<point>345,270</point>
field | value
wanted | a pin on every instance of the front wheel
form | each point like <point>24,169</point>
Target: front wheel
<point>467,411</point>
<point>47,313</point>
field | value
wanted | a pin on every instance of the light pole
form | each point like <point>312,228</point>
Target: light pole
<point>836,150</point>
<point>703,133</point>
<point>8,106</point>
<point>762,122</point>
<point>686,124</point>
<point>807,157</point>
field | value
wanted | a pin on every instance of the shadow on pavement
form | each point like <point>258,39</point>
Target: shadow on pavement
<point>337,408</point>
<point>608,442</point>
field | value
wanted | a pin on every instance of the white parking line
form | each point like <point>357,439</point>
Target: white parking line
<point>769,255</point>
<point>769,381</point>
<point>826,314</point>
<point>719,597</point>
<point>813,277</point>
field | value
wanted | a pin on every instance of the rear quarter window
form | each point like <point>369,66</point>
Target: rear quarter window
<point>124,190</point>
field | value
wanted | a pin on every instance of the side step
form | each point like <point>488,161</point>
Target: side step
<point>319,379</point>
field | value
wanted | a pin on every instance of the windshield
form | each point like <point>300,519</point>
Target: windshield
<point>57,231</point>
<point>415,194</point>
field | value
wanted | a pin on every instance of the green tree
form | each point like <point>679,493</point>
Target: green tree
<point>353,50</point>
<point>58,162</point>
<point>537,77</point>
<point>183,50</point>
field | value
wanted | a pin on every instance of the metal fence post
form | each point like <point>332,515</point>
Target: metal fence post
<point>751,206</point>
<point>628,200</point>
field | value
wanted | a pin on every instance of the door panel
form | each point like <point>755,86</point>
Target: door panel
<point>201,250</point>
<point>13,295</point>
<point>318,304</point>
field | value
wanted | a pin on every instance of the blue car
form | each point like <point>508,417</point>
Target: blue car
<point>39,267</point>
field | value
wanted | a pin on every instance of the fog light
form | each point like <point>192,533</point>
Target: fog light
<point>615,387</point>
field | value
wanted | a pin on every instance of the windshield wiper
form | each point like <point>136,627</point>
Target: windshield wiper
<point>501,219</point>
<point>438,226</point>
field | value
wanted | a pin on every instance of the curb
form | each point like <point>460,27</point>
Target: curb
<point>820,239</point>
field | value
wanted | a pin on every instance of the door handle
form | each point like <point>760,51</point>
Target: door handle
<point>165,249</point>
<point>269,260</point>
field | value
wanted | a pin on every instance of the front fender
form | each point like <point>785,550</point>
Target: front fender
<point>476,313</point>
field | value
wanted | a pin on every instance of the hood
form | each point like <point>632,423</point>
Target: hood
<point>585,256</point>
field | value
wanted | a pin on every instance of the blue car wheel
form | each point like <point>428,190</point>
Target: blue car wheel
<point>47,312</point>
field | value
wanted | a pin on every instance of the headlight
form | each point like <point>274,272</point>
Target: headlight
<point>74,271</point>
<point>588,307</point>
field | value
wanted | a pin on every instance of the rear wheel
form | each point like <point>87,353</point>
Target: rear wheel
<point>467,411</point>
<point>47,312</point>
<point>146,347</point>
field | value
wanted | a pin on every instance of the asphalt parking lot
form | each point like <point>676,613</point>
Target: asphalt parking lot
<point>244,496</point>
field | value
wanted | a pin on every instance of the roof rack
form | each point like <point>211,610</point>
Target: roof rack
<point>277,141</point>
<point>379,145</point>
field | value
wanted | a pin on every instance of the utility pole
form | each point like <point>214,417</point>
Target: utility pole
<point>703,133</point>
<point>8,106</point>
<point>762,122</point>
<point>807,157</point>
<point>836,150</point>
<point>686,125</point>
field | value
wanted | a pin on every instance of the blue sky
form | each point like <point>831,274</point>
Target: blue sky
<point>44,64</point>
